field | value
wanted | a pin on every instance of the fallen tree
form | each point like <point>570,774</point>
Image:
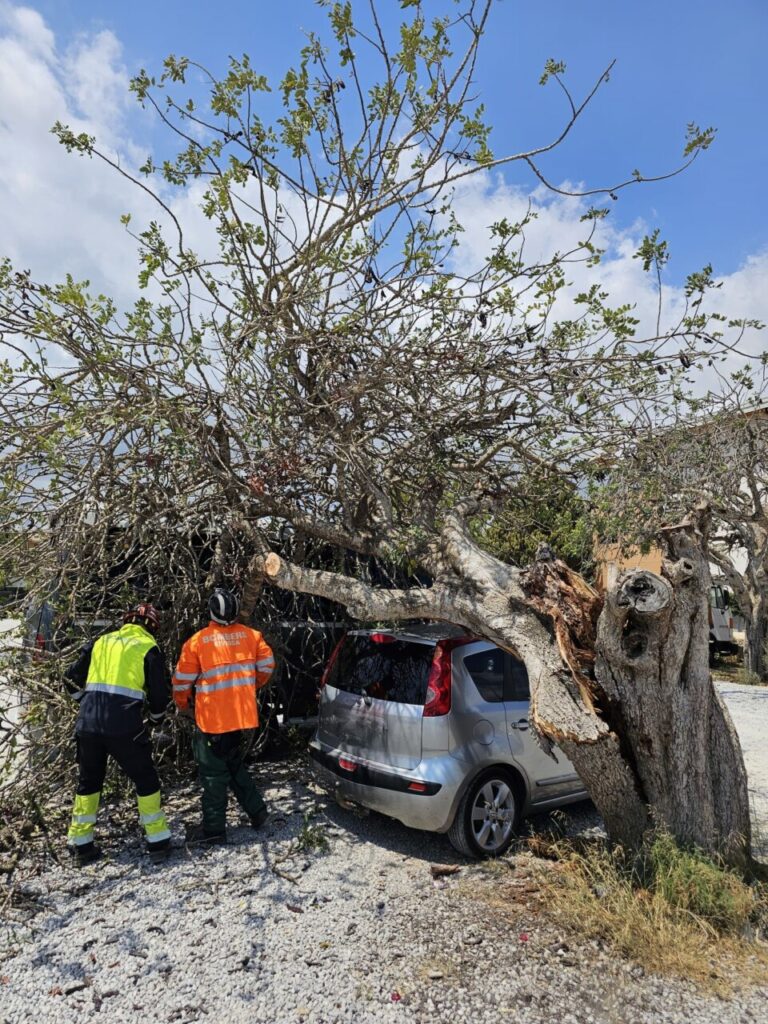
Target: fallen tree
<point>623,688</point>
<point>336,366</point>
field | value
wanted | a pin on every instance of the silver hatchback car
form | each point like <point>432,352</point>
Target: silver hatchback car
<point>431,728</point>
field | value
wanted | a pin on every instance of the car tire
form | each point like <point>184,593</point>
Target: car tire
<point>487,817</point>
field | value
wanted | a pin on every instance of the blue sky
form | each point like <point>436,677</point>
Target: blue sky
<point>677,61</point>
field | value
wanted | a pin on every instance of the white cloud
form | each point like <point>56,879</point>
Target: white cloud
<point>96,81</point>
<point>557,227</point>
<point>60,212</point>
<point>28,25</point>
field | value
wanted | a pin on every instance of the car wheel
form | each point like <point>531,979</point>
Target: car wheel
<point>487,817</point>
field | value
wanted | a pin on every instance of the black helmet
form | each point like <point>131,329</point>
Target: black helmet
<point>223,606</point>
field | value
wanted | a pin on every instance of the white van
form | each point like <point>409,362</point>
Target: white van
<point>721,638</point>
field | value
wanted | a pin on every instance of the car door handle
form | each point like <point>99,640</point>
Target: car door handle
<point>521,724</point>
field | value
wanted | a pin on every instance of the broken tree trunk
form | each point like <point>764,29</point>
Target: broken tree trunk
<point>567,707</point>
<point>623,689</point>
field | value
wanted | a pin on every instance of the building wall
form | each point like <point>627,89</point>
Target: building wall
<point>611,563</point>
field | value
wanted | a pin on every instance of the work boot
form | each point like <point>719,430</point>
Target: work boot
<point>159,852</point>
<point>260,819</point>
<point>85,853</point>
<point>197,836</point>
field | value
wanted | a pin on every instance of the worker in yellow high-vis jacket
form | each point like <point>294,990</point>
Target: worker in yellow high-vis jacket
<point>118,675</point>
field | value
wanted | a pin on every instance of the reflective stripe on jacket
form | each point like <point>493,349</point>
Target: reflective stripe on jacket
<point>117,663</point>
<point>226,665</point>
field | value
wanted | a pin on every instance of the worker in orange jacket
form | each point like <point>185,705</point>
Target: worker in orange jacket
<point>223,665</point>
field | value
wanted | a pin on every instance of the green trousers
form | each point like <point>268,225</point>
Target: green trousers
<point>221,762</point>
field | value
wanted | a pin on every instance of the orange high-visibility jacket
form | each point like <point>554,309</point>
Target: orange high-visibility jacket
<point>226,665</point>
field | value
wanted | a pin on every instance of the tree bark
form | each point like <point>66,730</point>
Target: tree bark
<point>756,636</point>
<point>623,689</point>
<point>652,665</point>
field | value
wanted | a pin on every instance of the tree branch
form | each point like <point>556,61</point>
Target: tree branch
<point>361,600</point>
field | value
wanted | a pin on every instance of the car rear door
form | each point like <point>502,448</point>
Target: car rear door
<point>478,719</point>
<point>373,698</point>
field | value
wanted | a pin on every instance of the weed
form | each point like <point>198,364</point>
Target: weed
<point>312,836</point>
<point>691,882</point>
<point>730,667</point>
<point>746,678</point>
<point>673,910</point>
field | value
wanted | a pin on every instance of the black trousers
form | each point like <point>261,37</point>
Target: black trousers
<point>132,753</point>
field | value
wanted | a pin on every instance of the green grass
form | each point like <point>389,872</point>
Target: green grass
<point>731,667</point>
<point>688,881</point>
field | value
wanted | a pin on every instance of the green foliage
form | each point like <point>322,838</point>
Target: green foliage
<point>545,510</point>
<point>176,68</point>
<point>329,358</point>
<point>312,836</point>
<point>595,213</point>
<point>552,69</point>
<point>80,143</point>
<point>652,252</point>
<point>673,910</point>
<point>700,281</point>
<point>689,881</point>
<point>698,139</point>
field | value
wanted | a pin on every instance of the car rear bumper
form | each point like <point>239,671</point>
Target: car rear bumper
<point>381,789</point>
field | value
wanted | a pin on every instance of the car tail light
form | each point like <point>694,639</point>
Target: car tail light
<point>39,649</point>
<point>382,638</point>
<point>348,766</point>
<point>331,660</point>
<point>730,623</point>
<point>418,787</point>
<point>438,700</point>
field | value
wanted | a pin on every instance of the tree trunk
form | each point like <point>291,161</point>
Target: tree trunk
<point>756,636</point>
<point>624,692</point>
<point>652,665</point>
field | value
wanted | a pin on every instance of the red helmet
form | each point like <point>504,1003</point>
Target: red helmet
<point>145,615</point>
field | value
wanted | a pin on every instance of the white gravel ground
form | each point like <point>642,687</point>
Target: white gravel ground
<point>264,932</point>
<point>748,706</point>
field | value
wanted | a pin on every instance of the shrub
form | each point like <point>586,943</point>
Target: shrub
<point>689,881</point>
<point>672,910</point>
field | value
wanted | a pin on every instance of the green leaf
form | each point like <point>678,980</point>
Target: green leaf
<point>551,69</point>
<point>698,139</point>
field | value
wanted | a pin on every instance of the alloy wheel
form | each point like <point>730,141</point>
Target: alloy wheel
<point>493,815</point>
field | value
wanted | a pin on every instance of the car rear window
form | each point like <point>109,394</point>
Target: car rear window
<point>498,676</point>
<point>394,670</point>
<point>487,671</point>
